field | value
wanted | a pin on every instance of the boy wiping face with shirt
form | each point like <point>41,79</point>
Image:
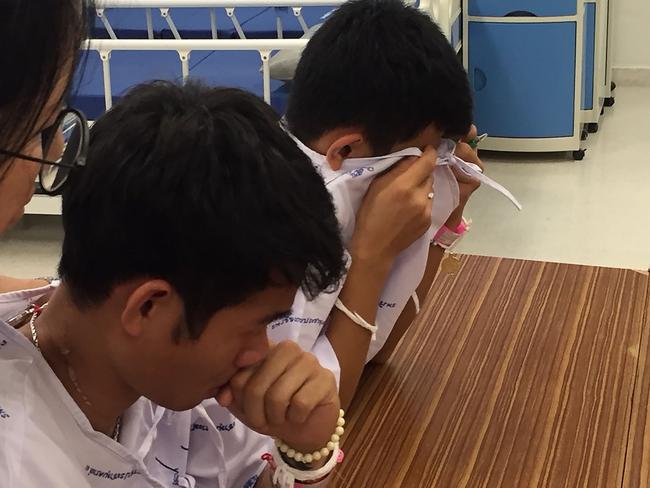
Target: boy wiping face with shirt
<point>376,84</point>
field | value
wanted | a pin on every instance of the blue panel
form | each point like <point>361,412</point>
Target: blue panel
<point>130,19</point>
<point>87,92</point>
<point>588,56</point>
<point>523,76</point>
<point>316,15</point>
<point>131,23</point>
<point>518,8</point>
<point>219,68</point>
<point>194,23</point>
<point>128,68</point>
<point>280,98</point>
<point>240,69</point>
<point>263,25</point>
<point>456,31</point>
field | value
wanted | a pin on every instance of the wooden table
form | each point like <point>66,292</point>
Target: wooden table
<point>517,374</point>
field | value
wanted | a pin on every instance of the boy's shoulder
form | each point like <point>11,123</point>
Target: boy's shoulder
<point>46,439</point>
<point>43,444</point>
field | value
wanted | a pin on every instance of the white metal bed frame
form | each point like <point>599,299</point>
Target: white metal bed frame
<point>445,12</point>
<point>229,7</point>
<point>184,48</point>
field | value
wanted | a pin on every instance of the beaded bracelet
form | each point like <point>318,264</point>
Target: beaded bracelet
<point>286,476</point>
<point>321,453</point>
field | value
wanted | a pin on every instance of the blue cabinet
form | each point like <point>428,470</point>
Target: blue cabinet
<point>521,8</point>
<point>523,76</point>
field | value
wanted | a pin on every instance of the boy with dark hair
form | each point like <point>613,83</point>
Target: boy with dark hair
<point>191,225</point>
<point>378,82</point>
<point>380,73</point>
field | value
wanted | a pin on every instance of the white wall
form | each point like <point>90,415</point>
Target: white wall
<point>631,29</point>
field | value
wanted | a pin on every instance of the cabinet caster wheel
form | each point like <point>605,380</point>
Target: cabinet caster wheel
<point>612,86</point>
<point>584,135</point>
<point>609,102</point>
<point>592,127</point>
<point>579,155</point>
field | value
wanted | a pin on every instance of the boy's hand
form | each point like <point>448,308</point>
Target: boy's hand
<point>288,396</point>
<point>466,185</point>
<point>396,210</point>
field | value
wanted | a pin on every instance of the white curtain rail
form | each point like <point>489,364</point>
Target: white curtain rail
<point>213,3</point>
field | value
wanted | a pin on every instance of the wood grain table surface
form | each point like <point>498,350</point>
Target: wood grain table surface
<point>516,374</point>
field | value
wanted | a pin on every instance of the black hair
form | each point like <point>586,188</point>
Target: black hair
<point>202,188</point>
<point>39,39</point>
<point>382,66</point>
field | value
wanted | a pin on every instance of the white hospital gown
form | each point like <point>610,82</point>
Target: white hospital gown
<point>308,321</point>
<point>46,440</point>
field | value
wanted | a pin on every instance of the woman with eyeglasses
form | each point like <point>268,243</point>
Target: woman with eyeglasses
<point>39,42</point>
<point>39,138</point>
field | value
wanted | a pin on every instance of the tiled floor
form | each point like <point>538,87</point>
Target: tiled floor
<point>596,211</point>
<point>592,212</point>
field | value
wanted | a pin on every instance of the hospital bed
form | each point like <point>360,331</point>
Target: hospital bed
<point>225,43</point>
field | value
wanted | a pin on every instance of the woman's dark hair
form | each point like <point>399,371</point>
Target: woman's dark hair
<point>38,40</point>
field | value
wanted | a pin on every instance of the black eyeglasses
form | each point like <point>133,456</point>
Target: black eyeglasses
<point>65,146</point>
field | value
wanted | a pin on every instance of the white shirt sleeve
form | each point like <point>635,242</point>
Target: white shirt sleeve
<point>307,324</point>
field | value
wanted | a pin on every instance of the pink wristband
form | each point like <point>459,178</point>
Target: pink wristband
<point>460,230</point>
<point>462,227</point>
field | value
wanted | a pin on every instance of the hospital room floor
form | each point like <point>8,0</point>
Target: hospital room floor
<point>595,212</point>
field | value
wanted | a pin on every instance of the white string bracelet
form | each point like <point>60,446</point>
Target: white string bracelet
<point>416,302</point>
<point>286,477</point>
<point>356,318</point>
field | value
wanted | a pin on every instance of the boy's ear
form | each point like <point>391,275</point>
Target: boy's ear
<point>151,304</point>
<point>341,149</point>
